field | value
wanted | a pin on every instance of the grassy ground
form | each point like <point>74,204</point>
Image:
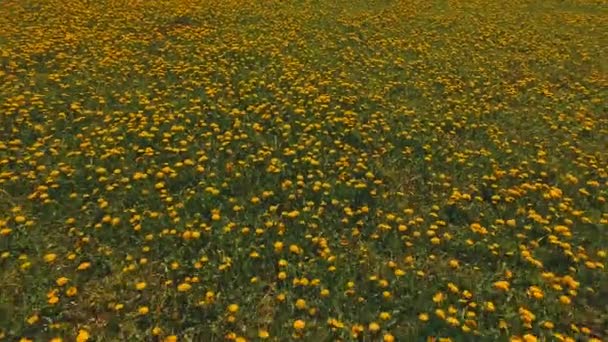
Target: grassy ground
<point>322,170</point>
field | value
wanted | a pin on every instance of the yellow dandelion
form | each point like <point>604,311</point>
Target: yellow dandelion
<point>388,338</point>
<point>82,336</point>
<point>71,292</point>
<point>263,334</point>
<point>49,258</point>
<point>184,287</point>
<point>83,266</point>
<point>299,324</point>
<point>61,281</point>
<point>502,285</point>
<point>33,319</point>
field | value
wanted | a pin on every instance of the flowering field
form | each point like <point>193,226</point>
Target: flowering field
<point>361,170</point>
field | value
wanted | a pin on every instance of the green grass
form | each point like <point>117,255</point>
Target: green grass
<point>379,170</point>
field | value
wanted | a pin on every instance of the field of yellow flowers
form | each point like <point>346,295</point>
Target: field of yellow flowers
<point>361,170</point>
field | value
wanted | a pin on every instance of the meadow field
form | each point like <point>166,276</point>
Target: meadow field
<point>340,170</point>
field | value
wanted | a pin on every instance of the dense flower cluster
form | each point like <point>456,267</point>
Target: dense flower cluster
<point>382,170</point>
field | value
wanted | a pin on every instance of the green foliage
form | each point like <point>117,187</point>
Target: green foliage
<point>315,170</point>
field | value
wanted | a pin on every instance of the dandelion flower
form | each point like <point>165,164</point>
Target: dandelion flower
<point>299,324</point>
